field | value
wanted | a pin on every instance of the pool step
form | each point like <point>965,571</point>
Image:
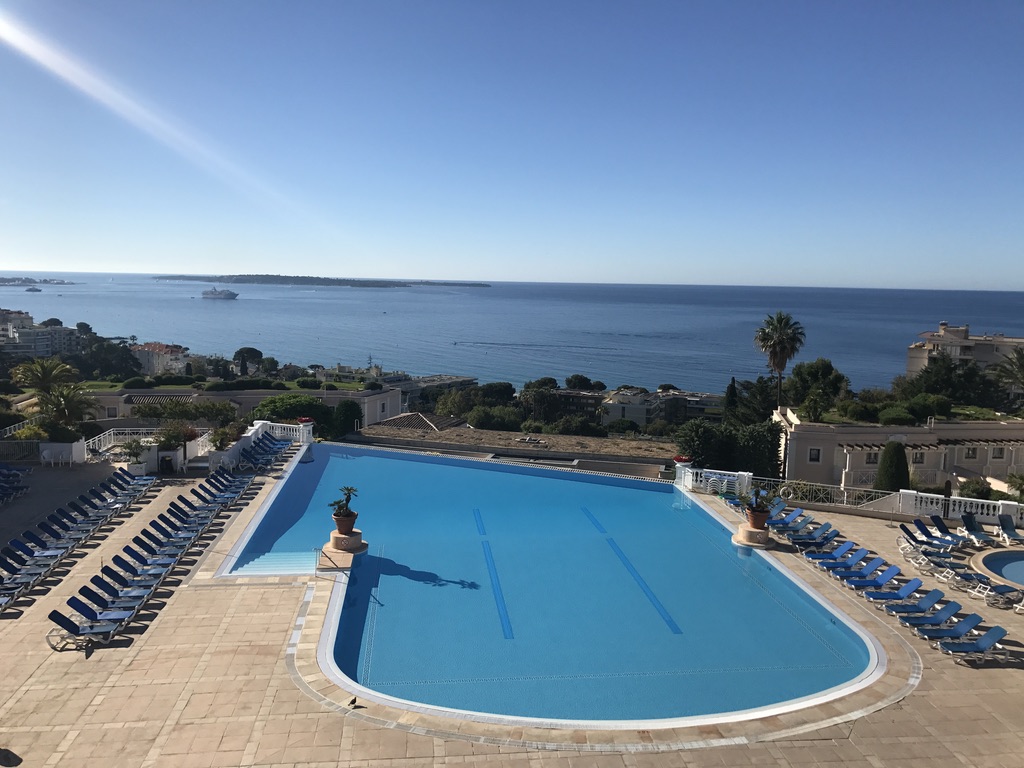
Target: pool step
<point>274,563</point>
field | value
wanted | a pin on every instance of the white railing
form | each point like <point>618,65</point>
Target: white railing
<point>203,445</point>
<point>717,481</point>
<point>298,433</point>
<point>5,433</point>
<point>924,505</point>
<point>113,437</point>
<point>19,450</point>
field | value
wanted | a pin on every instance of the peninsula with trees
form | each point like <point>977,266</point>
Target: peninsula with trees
<point>325,281</point>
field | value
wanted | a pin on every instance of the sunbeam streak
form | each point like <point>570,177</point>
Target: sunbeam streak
<point>101,90</point>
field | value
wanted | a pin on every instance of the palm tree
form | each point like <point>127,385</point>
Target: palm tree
<point>1010,371</point>
<point>44,373</point>
<point>780,338</point>
<point>66,404</point>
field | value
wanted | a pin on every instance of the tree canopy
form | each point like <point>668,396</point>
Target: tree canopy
<point>292,406</point>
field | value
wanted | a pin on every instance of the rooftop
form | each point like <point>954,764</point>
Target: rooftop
<point>223,673</point>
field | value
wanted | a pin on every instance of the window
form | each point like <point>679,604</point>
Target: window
<point>383,407</point>
<point>970,453</point>
<point>998,453</point>
<point>871,457</point>
<point>111,411</point>
<point>917,457</point>
<point>814,455</point>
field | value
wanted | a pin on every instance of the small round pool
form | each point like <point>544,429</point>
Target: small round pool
<point>1007,565</point>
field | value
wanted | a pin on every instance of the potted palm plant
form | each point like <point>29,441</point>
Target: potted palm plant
<point>756,505</point>
<point>343,514</point>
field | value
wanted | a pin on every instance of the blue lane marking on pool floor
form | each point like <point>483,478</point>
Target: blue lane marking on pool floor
<point>499,597</point>
<point>479,522</point>
<point>593,519</point>
<point>646,589</point>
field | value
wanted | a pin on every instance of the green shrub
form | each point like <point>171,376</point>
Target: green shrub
<point>896,415</point>
<point>578,425</point>
<point>858,411</point>
<point>171,379</point>
<point>893,470</point>
<point>623,425</point>
<point>137,382</point>
<point>500,417</point>
<point>91,429</point>
<point>58,433</point>
<point>533,426</point>
<point>10,418</point>
<point>975,488</point>
<point>31,432</point>
<point>307,382</point>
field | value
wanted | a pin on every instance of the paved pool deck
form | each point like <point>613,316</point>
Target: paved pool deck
<point>223,673</point>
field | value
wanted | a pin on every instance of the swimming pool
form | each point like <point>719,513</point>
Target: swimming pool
<point>533,593</point>
<point>1007,565</point>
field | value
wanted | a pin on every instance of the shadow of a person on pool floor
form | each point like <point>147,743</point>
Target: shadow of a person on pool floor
<point>388,567</point>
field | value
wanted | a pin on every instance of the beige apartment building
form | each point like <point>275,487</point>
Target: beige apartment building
<point>959,344</point>
<point>847,454</point>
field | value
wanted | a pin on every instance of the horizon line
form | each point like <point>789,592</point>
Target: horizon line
<point>10,272</point>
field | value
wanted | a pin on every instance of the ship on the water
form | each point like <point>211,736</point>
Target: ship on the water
<point>214,293</point>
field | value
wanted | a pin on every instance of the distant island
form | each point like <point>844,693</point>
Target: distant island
<point>290,280</point>
<point>33,281</point>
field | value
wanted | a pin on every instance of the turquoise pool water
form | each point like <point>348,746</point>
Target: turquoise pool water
<point>544,594</point>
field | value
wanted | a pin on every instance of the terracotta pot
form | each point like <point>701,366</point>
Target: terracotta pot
<point>757,519</point>
<point>345,524</point>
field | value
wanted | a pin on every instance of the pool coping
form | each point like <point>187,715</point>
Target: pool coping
<point>900,675</point>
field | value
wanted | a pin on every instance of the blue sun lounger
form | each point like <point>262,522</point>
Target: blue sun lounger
<point>940,525</point>
<point>985,647</point>
<point>925,604</point>
<point>832,555</point>
<point>69,632</point>
<point>937,619</point>
<point>1008,531</point>
<point>893,595</point>
<point>860,573</point>
<point>847,562</point>
<point>972,528</point>
<point>953,632</point>
<point>947,542</point>
<point>877,582</point>
<point>819,541</point>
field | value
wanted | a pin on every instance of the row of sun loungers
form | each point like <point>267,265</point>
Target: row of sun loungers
<point>114,598</point>
<point>11,485</point>
<point>928,614</point>
<point>263,453</point>
<point>36,554</point>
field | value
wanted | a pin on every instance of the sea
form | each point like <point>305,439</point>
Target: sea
<point>694,337</point>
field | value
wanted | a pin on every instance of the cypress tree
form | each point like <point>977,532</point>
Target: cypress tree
<point>893,470</point>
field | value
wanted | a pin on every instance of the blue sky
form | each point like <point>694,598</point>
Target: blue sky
<point>789,143</point>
